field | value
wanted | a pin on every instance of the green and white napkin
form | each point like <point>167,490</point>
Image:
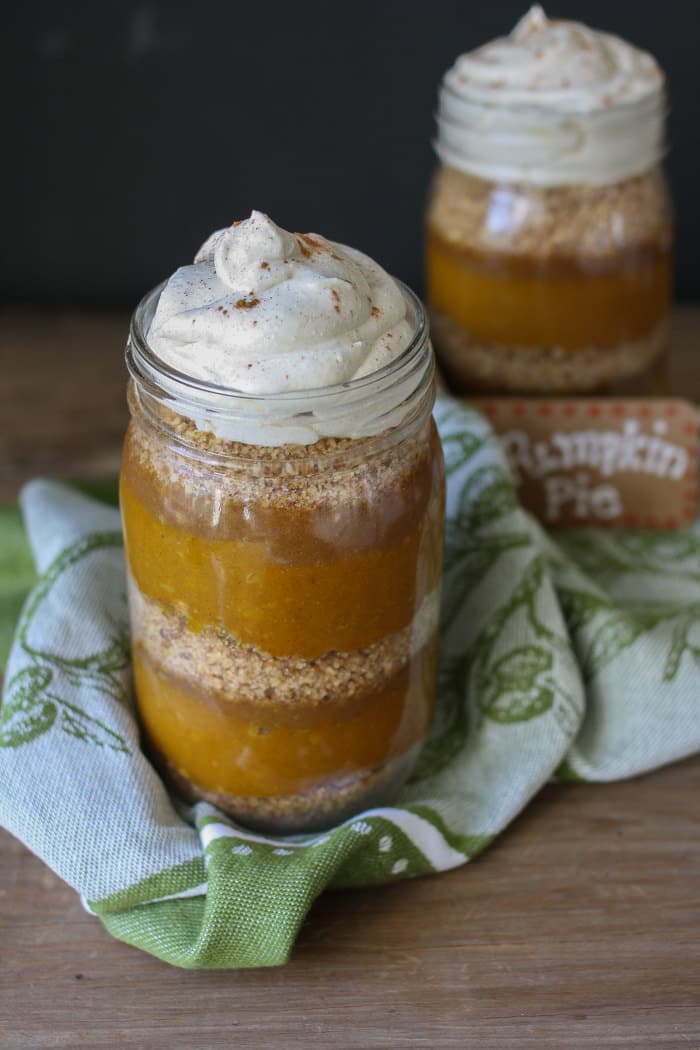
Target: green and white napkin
<point>578,657</point>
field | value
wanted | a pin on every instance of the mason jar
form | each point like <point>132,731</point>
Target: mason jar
<point>284,598</point>
<point>549,227</point>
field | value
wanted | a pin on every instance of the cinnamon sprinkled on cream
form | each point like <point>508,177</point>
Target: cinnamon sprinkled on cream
<point>278,312</point>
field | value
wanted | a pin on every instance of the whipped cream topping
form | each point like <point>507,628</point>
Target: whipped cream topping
<point>264,313</point>
<point>554,102</point>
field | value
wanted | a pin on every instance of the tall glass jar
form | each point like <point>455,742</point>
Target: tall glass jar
<point>284,599</point>
<point>549,230</point>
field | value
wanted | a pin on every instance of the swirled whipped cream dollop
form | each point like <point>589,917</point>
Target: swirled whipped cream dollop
<point>554,102</point>
<point>266,312</point>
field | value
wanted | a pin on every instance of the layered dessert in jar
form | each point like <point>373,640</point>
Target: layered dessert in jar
<point>282,498</point>
<point>549,230</point>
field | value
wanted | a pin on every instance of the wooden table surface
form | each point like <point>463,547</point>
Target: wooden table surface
<point>579,928</point>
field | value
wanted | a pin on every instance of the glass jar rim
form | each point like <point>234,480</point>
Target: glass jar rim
<point>359,407</point>
<point>139,353</point>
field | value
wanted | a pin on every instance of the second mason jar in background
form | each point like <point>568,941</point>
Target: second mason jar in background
<point>549,232</point>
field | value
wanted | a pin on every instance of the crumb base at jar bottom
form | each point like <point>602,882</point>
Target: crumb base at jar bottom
<point>635,368</point>
<point>318,809</point>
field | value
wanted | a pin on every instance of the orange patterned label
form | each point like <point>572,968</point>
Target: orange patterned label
<point>627,463</point>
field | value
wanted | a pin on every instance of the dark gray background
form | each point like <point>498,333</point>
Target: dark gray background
<point>131,130</point>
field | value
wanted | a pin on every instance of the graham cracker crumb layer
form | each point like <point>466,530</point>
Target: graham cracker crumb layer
<point>319,808</point>
<point>349,493</point>
<point>630,368</point>
<point>544,222</point>
<point>211,663</point>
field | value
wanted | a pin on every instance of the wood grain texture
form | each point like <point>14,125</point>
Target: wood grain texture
<point>578,930</point>
<point>62,396</point>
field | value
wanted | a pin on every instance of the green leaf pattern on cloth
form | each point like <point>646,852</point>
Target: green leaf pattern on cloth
<point>581,656</point>
<point>27,712</point>
<point>32,703</point>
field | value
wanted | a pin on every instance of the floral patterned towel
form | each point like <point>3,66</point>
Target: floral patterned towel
<point>576,657</point>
